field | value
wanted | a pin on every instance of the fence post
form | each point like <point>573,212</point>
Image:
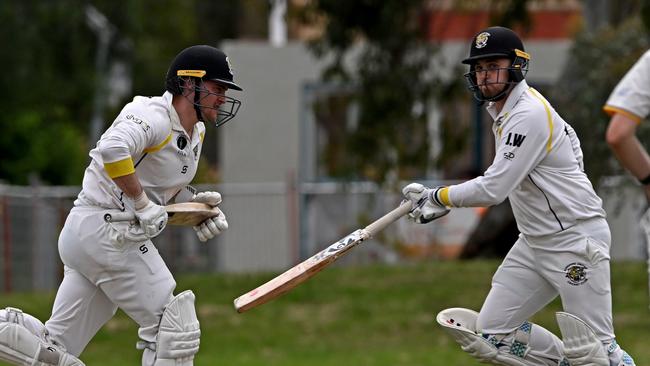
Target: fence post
<point>6,238</point>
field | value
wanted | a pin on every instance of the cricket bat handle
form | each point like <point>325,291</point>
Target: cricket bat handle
<point>119,216</point>
<point>387,219</point>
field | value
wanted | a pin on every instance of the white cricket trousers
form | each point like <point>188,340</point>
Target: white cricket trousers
<point>573,264</point>
<point>102,274</point>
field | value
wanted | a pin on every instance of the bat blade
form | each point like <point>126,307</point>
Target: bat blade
<point>311,266</point>
<point>190,213</point>
<point>181,214</point>
<point>299,273</point>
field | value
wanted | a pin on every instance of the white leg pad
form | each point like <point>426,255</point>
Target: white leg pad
<point>581,345</point>
<point>460,323</point>
<point>19,346</point>
<point>179,333</point>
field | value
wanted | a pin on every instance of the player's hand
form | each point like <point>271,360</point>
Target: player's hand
<point>152,217</point>
<point>211,198</point>
<point>211,227</point>
<point>214,226</point>
<point>425,207</point>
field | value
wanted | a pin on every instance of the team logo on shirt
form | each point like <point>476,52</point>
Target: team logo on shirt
<point>181,142</point>
<point>576,273</point>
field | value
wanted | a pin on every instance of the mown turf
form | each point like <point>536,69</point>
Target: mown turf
<point>375,315</point>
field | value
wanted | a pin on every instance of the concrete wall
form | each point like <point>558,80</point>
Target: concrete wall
<point>262,146</point>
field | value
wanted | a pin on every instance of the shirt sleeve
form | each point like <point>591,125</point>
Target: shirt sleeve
<point>520,146</point>
<point>130,136</point>
<point>632,94</point>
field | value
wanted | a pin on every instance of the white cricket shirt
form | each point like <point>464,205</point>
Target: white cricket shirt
<point>538,166</point>
<point>146,137</point>
<point>631,96</point>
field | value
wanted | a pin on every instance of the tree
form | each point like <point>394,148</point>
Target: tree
<point>596,63</point>
<point>50,77</point>
<point>393,81</point>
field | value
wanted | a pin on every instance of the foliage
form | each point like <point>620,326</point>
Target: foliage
<point>46,71</point>
<point>49,82</point>
<point>376,315</point>
<point>392,77</point>
<point>396,84</point>
<point>596,63</point>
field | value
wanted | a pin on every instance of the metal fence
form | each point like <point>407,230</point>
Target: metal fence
<point>272,227</point>
<point>30,221</point>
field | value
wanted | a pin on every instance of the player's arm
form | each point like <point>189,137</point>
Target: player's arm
<point>621,138</point>
<point>117,146</point>
<point>522,144</point>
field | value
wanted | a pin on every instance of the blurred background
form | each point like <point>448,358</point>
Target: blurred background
<point>344,102</point>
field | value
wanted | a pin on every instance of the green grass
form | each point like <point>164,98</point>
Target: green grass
<point>376,315</point>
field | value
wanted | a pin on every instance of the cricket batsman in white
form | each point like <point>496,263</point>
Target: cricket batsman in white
<point>145,160</point>
<point>628,105</point>
<point>564,241</point>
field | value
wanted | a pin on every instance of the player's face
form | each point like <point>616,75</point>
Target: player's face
<point>213,96</point>
<point>492,75</point>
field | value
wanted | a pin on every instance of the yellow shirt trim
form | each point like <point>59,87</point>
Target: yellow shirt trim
<point>120,168</point>
<point>611,111</point>
<point>202,136</point>
<point>159,146</point>
<point>548,117</point>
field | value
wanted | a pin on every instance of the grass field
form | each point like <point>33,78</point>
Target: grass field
<point>376,315</point>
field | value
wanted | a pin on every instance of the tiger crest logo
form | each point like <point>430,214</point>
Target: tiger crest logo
<point>481,40</point>
<point>576,273</point>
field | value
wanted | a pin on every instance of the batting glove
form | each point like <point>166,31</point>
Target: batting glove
<point>211,227</point>
<point>152,217</point>
<point>426,206</point>
<point>214,226</point>
<point>211,198</point>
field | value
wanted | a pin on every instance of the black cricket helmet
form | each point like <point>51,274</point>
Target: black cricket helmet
<point>203,62</point>
<point>497,42</point>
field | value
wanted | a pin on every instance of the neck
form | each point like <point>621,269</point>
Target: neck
<point>498,105</point>
<point>186,113</point>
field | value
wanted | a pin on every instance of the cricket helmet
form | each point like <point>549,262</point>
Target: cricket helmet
<point>203,63</point>
<point>497,42</point>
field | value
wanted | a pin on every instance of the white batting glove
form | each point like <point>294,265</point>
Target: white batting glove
<point>152,217</point>
<point>426,207</point>
<point>211,198</point>
<point>214,226</point>
<point>211,227</point>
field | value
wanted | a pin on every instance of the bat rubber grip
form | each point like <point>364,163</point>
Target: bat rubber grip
<point>119,216</point>
<point>388,219</point>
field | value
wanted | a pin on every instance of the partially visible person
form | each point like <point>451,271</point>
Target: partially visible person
<point>564,240</point>
<point>145,160</point>
<point>628,106</point>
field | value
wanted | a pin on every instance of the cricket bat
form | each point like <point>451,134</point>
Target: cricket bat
<point>308,268</point>
<point>183,214</point>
